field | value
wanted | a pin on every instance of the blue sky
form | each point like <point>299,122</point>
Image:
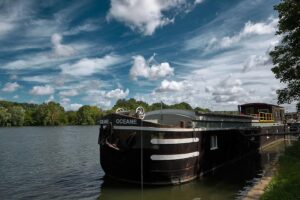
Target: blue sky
<point>208,53</point>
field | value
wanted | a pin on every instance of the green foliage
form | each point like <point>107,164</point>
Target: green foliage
<point>17,115</point>
<point>158,106</point>
<point>286,183</point>
<point>130,104</point>
<point>4,117</point>
<point>53,114</point>
<point>88,115</point>
<point>205,110</point>
<point>29,119</point>
<point>286,55</point>
<point>182,105</point>
<point>29,109</point>
<point>72,117</point>
<point>50,114</point>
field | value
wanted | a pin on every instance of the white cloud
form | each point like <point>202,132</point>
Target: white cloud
<point>42,90</point>
<point>82,85</point>
<point>86,27</point>
<point>260,28</point>
<point>113,94</point>
<point>256,61</point>
<point>117,94</point>
<point>145,16</point>
<point>69,93</point>
<point>167,86</point>
<point>244,55</point>
<point>66,103</point>
<point>51,98</point>
<point>5,27</point>
<point>74,106</point>
<point>11,14</point>
<point>59,22</point>
<point>48,59</point>
<point>143,68</point>
<point>60,49</point>
<point>42,28</point>
<point>89,66</point>
<point>250,29</point>
<point>36,62</point>
<point>198,1</point>
<point>228,90</point>
<point>104,99</point>
<point>209,84</point>
<point>10,87</point>
<point>38,79</point>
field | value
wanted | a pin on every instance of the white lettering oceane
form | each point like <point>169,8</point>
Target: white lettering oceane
<point>126,121</point>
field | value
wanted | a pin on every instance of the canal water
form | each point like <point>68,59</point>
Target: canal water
<point>63,163</point>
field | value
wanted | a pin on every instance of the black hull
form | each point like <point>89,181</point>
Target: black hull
<point>161,155</point>
<point>129,170</point>
<point>125,164</point>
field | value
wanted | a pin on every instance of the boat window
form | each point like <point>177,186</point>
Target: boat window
<point>249,110</point>
<point>263,110</point>
<point>213,142</point>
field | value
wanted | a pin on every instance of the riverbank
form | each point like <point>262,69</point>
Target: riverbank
<point>275,176</point>
<point>256,191</point>
<point>286,182</point>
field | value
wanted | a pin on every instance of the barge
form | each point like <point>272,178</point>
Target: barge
<point>175,146</point>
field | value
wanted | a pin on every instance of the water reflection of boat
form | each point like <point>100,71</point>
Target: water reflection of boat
<point>176,146</point>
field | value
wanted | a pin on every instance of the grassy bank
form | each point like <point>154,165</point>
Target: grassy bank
<point>286,183</point>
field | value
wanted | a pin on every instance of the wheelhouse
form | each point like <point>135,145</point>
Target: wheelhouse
<point>263,112</point>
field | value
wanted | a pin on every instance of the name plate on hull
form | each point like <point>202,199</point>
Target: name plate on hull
<point>103,121</point>
<point>124,121</point>
<point>120,121</point>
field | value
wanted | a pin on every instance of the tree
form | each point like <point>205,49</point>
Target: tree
<point>4,117</point>
<point>72,117</point>
<point>17,115</point>
<point>50,114</point>
<point>286,55</point>
<point>198,109</point>
<point>158,106</point>
<point>88,115</point>
<point>182,105</point>
<point>29,119</point>
<point>130,104</point>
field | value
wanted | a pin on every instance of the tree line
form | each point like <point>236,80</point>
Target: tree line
<point>53,114</point>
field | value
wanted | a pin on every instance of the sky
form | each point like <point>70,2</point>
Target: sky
<point>208,53</point>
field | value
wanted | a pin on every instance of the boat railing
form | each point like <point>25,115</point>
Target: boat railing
<point>265,117</point>
<point>139,112</point>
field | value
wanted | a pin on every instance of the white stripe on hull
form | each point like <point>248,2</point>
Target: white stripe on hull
<point>175,156</point>
<point>146,128</point>
<point>174,141</point>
